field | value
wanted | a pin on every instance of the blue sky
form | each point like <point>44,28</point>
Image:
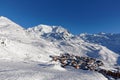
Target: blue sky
<point>78,16</point>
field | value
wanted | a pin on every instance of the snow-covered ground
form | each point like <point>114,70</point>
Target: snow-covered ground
<point>24,53</point>
<point>43,71</point>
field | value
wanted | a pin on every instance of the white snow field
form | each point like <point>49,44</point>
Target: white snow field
<point>24,53</point>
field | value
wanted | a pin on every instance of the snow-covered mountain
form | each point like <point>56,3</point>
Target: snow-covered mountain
<point>24,53</point>
<point>51,32</point>
<point>109,40</point>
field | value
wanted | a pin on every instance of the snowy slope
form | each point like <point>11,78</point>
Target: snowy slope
<point>24,54</point>
<point>37,71</point>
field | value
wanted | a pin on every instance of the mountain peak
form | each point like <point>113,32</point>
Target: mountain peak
<point>47,29</point>
<point>56,32</point>
<point>2,17</point>
<point>5,21</point>
<point>10,28</point>
<point>43,28</point>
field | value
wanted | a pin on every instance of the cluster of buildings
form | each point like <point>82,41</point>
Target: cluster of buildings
<point>85,63</point>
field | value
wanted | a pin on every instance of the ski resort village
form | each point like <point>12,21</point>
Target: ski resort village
<point>46,52</point>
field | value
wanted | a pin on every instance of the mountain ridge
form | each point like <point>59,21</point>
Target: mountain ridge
<point>109,40</point>
<point>56,32</point>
